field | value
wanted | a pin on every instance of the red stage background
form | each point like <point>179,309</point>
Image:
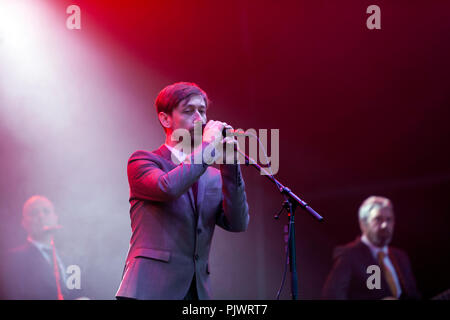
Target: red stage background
<point>360,112</point>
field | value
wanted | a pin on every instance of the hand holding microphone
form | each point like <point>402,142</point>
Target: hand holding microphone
<point>209,130</point>
<point>221,134</point>
<point>212,132</point>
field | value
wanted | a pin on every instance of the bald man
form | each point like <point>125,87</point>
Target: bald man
<point>35,270</point>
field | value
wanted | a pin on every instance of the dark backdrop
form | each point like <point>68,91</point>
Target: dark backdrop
<point>360,112</point>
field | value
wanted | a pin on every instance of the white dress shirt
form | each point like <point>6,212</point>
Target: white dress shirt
<point>180,155</point>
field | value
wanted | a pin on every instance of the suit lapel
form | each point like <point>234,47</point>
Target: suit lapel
<point>366,253</point>
<point>43,267</point>
<point>201,191</point>
<point>38,255</point>
<point>164,152</point>
<point>191,198</point>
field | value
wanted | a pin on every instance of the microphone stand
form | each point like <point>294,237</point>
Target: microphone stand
<point>290,204</point>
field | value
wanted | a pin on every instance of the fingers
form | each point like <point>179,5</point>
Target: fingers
<point>231,145</point>
<point>209,124</point>
<point>213,132</point>
<point>225,147</point>
<point>218,124</point>
<point>229,140</point>
<point>226,126</point>
<point>213,128</point>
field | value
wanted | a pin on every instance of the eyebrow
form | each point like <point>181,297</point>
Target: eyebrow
<point>193,105</point>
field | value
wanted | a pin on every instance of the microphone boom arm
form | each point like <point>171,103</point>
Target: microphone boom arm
<point>295,200</point>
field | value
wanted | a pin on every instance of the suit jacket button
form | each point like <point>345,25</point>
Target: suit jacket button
<point>199,230</point>
<point>196,257</point>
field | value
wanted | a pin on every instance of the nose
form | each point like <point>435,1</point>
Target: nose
<point>197,116</point>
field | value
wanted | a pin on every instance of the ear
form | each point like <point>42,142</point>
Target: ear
<point>165,119</point>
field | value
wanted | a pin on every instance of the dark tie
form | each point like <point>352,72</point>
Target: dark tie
<point>195,192</point>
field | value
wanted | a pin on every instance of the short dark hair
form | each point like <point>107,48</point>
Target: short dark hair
<point>169,97</point>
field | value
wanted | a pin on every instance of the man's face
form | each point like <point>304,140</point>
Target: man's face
<point>188,112</point>
<point>379,227</point>
<point>38,216</point>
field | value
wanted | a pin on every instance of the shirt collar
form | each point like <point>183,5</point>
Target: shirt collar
<point>180,155</point>
<point>41,246</point>
<point>373,249</point>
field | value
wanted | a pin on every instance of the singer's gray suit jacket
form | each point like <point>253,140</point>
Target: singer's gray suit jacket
<point>171,235</point>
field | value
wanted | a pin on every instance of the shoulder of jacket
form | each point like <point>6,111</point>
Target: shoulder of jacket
<point>347,249</point>
<point>19,250</point>
<point>142,155</point>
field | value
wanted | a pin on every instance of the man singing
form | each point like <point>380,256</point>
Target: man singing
<point>177,199</point>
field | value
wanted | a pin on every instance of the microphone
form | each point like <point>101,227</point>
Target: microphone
<point>232,132</point>
<point>228,130</point>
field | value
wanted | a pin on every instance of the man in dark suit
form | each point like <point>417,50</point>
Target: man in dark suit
<point>368,268</point>
<point>35,270</point>
<point>176,200</point>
